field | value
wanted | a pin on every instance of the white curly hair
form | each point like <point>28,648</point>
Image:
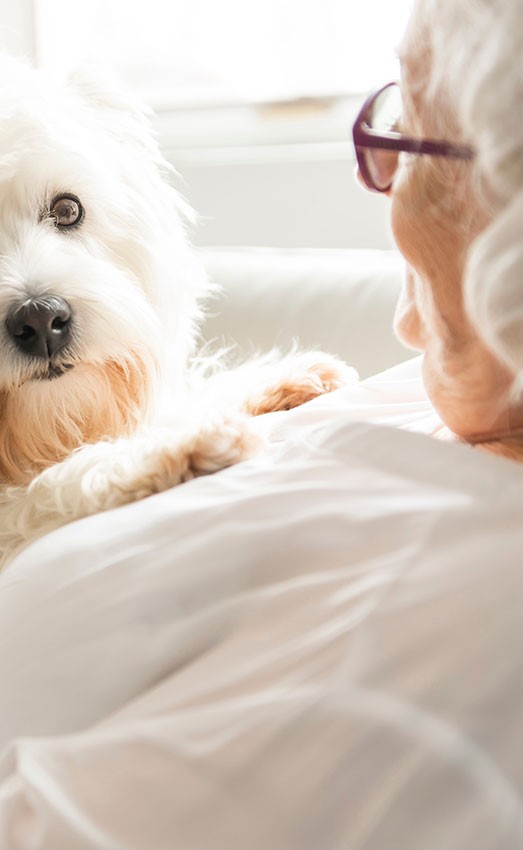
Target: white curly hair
<point>475,51</point>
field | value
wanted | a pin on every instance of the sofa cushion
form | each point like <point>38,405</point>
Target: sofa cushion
<point>341,301</point>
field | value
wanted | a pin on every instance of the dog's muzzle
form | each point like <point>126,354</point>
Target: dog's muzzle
<point>40,327</point>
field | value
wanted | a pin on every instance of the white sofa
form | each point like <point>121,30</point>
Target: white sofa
<point>341,301</point>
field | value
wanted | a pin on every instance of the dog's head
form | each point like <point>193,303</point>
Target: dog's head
<point>96,275</point>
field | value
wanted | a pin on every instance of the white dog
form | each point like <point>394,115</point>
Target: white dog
<point>100,297</point>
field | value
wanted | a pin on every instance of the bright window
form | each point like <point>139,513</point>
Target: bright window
<point>210,52</point>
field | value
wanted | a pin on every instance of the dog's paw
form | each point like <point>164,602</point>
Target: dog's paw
<point>220,444</point>
<point>108,475</point>
<point>130,470</point>
<point>299,378</point>
<point>207,448</point>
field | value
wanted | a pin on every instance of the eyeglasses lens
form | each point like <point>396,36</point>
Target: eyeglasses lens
<point>384,116</point>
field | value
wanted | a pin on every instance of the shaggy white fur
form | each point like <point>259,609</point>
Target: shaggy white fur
<point>88,219</point>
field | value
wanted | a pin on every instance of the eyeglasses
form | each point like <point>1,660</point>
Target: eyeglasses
<point>378,143</point>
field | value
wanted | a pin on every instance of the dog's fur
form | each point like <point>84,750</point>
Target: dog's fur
<point>121,422</point>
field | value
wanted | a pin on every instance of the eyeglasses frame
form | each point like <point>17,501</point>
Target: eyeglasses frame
<point>365,137</point>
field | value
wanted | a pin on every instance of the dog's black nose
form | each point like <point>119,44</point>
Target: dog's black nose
<point>40,327</point>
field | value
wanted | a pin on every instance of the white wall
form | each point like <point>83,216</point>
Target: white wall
<point>278,174</point>
<point>17,27</point>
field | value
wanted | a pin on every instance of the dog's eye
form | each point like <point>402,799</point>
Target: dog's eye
<point>66,210</point>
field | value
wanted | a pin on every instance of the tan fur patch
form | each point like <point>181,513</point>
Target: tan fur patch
<point>41,423</point>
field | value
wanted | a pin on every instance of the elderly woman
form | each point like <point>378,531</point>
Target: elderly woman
<point>320,649</point>
<point>448,152</point>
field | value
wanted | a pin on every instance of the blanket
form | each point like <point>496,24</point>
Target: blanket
<point>317,649</point>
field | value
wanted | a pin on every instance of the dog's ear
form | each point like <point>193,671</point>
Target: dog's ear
<point>100,90</point>
<point>124,117</point>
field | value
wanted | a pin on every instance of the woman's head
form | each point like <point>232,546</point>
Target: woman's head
<point>463,80</point>
<point>459,222</point>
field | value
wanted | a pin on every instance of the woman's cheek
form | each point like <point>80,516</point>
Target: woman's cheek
<point>407,318</point>
<point>408,324</point>
<point>407,212</point>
